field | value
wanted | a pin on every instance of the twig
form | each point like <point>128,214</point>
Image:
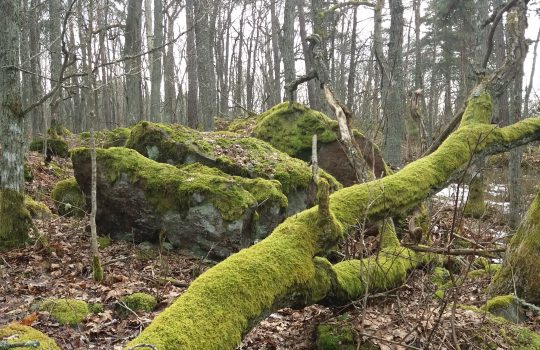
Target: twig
<point>388,341</point>
<point>457,251</point>
<point>29,344</point>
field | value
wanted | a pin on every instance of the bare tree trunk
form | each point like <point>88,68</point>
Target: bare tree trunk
<point>276,83</point>
<point>169,73</point>
<point>239,85</point>
<point>192,76</point>
<point>56,55</point>
<point>105,89</point>
<point>314,92</point>
<point>156,57</point>
<point>352,64</point>
<point>133,44</point>
<point>393,104</point>
<point>97,270</point>
<point>35,66</point>
<point>287,42</point>
<point>205,66</point>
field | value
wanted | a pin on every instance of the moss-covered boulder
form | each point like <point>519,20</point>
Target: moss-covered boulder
<point>68,198</point>
<point>116,137</point>
<point>507,307</point>
<point>290,128</point>
<point>136,302</point>
<point>55,147</point>
<point>232,153</point>
<point>197,209</point>
<point>18,333</point>
<point>37,210</point>
<point>65,311</point>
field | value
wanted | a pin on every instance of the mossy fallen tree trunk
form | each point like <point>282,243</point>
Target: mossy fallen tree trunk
<point>520,271</point>
<point>287,268</point>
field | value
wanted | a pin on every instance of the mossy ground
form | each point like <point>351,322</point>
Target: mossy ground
<point>65,311</point>
<point>57,147</point>
<point>136,302</point>
<point>335,337</point>
<point>16,333</point>
<point>68,198</point>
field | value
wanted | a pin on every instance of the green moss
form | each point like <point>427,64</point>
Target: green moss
<point>335,337</point>
<point>223,302</point>
<point>66,311</point>
<point>137,302</point>
<point>478,110</point>
<point>261,189</point>
<point>104,241</point>
<point>489,270</point>
<point>57,147</point>
<point>290,129</point>
<point>440,276</point>
<point>520,271</point>
<point>231,153</point>
<point>16,333</point>
<point>476,206</point>
<point>57,130</point>
<point>499,302</point>
<point>167,187</point>
<point>68,198</point>
<point>96,308</point>
<point>37,210</point>
<point>28,175</point>
<point>15,218</point>
<point>116,137</point>
<point>97,270</point>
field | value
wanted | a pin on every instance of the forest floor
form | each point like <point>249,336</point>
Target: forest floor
<point>408,317</point>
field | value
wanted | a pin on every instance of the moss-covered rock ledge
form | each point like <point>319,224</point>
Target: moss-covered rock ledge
<point>223,303</point>
<point>290,128</point>
<point>196,208</point>
<point>231,153</point>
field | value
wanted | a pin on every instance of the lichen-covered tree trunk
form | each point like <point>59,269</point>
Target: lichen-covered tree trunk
<point>520,271</point>
<point>15,220</point>
<point>287,268</point>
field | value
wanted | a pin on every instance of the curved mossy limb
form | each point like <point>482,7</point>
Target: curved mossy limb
<point>15,219</point>
<point>57,147</point>
<point>68,198</point>
<point>231,153</point>
<point>18,333</point>
<point>225,301</point>
<point>65,311</point>
<point>520,270</point>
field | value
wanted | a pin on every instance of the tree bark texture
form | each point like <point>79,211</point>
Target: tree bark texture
<point>133,38</point>
<point>394,88</point>
<point>156,75</point>
<point>192,76</point>
<point>14,217</point>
